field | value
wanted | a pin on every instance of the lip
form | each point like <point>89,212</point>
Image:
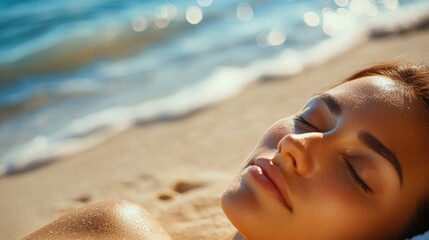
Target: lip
<point>276,177</point>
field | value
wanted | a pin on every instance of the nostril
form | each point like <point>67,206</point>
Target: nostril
<point>293,161</point>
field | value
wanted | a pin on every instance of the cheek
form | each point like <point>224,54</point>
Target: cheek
<point>276,132</point>
<point>331,203</point>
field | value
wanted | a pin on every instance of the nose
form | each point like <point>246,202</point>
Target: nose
<point>297,152</point>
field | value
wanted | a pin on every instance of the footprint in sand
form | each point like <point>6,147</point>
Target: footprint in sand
<point>84,198</point>
<point>75,203</point>
<point>183,186</point>
<point>179,188</point>
<point>165,196</point>
<point>146,176</point>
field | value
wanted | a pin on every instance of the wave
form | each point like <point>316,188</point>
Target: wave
<point>61,37</point>
<point>64,54</point>
<point>221,83</point>
<point>407,19</point>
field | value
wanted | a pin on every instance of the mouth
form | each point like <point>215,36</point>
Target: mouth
<point>274,177</point>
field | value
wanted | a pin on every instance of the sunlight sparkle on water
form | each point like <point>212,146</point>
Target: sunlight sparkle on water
<point>139,24</point>
<point>168,11</point>
<point>311,19</point>
<point>194,15</point>
<point>360,7</point>
<point>162,22</point>
<point>276,38</point>
<point>204,3</point>
<point>164,15</point>
<point>244,12</point>
<point>391,4</point>
<point>335,22</point>
<point>344,12</point>
<point>342,3</point>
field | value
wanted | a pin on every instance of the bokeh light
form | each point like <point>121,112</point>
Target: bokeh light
<point>194,15</point>
<point>165,14</point>
<point>361,7</point>
<point>336,21</point>
<point>342,3</point>
<point>162,22</point>
<point>391,4</point>
<point>311,19</point>
<point>204,3</point>
<point>343,12</point>
<point>276,38</point>
<point>92,49</point>
<point>332,23</point>
<point>139,24</point>
<point>244,12</point>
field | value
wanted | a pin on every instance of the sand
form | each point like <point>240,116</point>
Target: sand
<point>178,169</point>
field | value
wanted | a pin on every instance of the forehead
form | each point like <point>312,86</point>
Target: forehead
<point>383,107</point>
<point>374,90</point>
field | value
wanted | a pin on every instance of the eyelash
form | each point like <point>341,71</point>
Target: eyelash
<point>355,176</point>
<point>302,120</point>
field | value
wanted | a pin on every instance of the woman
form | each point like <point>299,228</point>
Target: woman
<point>352,164</point>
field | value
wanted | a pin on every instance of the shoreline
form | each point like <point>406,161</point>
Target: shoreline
<point>178,169</point>
<point>80,132</point>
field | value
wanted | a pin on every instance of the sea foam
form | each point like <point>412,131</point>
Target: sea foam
<point>218,84</point>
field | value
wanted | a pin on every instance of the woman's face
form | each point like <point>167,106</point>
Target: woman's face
<point>352,164</point>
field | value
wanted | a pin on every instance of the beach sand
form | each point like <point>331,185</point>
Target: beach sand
<point>178,169</point>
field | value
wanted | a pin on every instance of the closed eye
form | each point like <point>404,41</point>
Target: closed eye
<point>358,180</point>
<point>299,119</point>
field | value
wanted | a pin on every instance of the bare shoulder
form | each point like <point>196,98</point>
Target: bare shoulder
<point>113,219</point>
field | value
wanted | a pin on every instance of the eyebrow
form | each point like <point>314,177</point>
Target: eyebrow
<point>332,103</point>
<point>366,138</point>
<point>377,146</point>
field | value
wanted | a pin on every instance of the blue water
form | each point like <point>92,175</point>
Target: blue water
<point>73,73</point>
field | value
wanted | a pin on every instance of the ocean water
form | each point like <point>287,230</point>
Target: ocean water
<point>74,73</point>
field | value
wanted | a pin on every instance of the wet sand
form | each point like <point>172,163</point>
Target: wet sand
<point>178,169</point>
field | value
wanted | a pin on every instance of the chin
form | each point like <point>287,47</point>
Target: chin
<point>242,206</point>
<point>239,200</point>
<point>238,214</point>
<point>244,214</point>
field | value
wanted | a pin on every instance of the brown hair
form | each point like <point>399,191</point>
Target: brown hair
<point>415,79</point>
